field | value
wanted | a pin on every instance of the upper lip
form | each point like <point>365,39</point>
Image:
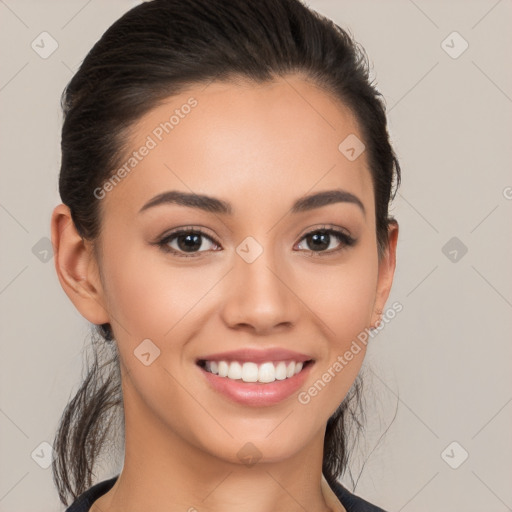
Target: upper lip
<point>256,355</point>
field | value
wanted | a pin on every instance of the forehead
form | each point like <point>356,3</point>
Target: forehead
<point>270,140</point>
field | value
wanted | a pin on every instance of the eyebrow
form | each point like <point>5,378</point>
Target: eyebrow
<point>214,205</point>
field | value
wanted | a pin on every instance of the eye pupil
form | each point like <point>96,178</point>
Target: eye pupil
<point>320,239</point>
<point>193,241</point>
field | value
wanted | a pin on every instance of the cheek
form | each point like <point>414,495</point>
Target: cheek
<point>343,307</point>
<point>343,296</point>
<point>148,297</point>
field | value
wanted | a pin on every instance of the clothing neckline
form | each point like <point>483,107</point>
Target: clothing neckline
<point>338,498</point>
<point>330,497</point>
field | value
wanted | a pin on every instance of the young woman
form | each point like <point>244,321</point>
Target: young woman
<point>226,175</point>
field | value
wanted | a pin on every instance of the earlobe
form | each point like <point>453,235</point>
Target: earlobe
<point>76,267</point>
<point>386,273</point>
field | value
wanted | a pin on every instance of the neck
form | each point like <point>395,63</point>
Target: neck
<point>163,472</point>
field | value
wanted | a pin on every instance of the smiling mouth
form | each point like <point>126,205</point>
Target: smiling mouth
<point>267,372</point>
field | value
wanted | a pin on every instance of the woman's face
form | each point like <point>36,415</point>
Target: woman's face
<point>261,274</point>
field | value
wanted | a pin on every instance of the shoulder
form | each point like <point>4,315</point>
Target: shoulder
<point>84,501</point>
<point>352,502</point>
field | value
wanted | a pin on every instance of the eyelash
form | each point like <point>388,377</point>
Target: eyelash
<point>345,239</point>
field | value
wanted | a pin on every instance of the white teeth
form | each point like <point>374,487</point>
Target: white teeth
<point>235,371</point>
<point>249,372</point>
<point>280,371</point>
<point>223,368</point>
<point>267,373</point>
<point>252,372</point>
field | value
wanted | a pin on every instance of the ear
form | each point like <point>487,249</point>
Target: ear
<point>386,273</point>
<point>77,268</point>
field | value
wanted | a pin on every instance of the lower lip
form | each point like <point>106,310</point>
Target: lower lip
<point>257,394</point>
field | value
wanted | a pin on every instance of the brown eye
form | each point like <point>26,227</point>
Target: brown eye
<point>187,241</point>
<point>327,241</point>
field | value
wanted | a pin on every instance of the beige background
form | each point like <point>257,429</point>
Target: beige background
<point>444,361</point>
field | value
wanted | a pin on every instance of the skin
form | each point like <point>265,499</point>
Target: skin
<point>260,147</point>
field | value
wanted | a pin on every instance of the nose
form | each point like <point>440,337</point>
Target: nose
<point>260,296</point>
